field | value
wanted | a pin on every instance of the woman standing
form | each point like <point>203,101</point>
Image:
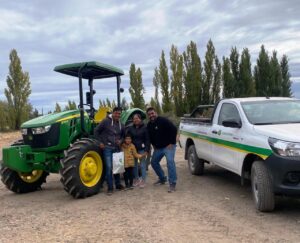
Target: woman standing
<point>141,141</point>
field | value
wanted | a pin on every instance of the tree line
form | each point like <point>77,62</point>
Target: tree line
<point>188,82</point>
<point>178,87</point>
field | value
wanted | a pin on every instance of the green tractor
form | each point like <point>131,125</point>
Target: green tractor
<point>63,142</point>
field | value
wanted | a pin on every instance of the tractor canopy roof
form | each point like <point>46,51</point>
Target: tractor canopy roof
<point>90,70</point>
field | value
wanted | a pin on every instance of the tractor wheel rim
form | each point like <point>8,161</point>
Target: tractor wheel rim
<point>31,177</point>
<point>90,169</point>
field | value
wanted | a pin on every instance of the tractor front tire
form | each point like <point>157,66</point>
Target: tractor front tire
<point>22,182</point>
<point>82,169</point>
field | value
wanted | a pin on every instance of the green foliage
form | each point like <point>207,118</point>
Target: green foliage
<point>5,119</point>
<point>124,104</point>
<point>57,108</point>
<point>164,84</point>
<point>208,73</point>
<point>70,106</point>
<point>17,91</point>
<point>177,83</point>
<point>247,87</point>
<point>34,114</point>
<point>262,74</point>
<point>286,82</point>
<point>136,89</point>
<point>228,79</point>
<point>192,77</point>
<point>216,86</point>
<point>276,77</point>
<point>234,61</point>
<point>155,101</point>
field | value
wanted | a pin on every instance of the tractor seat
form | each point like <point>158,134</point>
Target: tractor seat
<point>101,114</point>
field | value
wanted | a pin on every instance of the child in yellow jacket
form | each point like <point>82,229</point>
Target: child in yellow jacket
<point>130,154</point>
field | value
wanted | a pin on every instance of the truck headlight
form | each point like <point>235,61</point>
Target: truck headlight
<point>41,130</point>
<point>284,148</point>
<point>24,131</point>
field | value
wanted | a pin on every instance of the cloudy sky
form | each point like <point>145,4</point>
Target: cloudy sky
<point>50,33</point>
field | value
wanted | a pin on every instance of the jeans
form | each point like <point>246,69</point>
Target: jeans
<point>128,176</point>
<point>143,164</point>
<point>107,153</point>
<point>157,155</point>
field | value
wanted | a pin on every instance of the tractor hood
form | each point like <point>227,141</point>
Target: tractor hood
<point>51,119</point>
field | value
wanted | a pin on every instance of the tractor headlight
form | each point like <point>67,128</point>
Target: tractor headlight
<point>24,131</point>
<point>284,148</point>
<point>41,130</point>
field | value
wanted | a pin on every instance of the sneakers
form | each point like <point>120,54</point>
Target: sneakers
<point>120,187</point>
<point>109,192</point>
<point>136,182</point>
<point>172,188</point>
<point>159,182</point>
<point>142,184</point>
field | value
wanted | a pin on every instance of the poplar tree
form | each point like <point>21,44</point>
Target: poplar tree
<point>262,74</point>
<point>208,73</point>
<point>17,91</point>
<point>136,89</point>
<point>247,87</point>
<point>57,108</point>
<point>155,101</point>
<point>276,77</point>
<point>234,62</point>
<point>5,121</point>
<point>286,82</point>
<point>192,77</point>
<point>228,79</point>
<point>70,106</point>
<point>164,84</point>
<point>176,66</point>
<point>215,92</point>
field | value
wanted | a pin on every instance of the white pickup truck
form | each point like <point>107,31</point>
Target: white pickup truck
<point>256,138</point>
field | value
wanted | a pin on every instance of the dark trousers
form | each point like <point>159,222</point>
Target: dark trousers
<point>128,176</point>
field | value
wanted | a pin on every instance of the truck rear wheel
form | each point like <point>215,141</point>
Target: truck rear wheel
<point>20,182</point>
<point>262,187</point>
<point>83,170</point>
<point>196,165</point>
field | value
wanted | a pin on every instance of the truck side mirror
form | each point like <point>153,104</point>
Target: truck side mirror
<point>88,97</point>
<point>232,123</point>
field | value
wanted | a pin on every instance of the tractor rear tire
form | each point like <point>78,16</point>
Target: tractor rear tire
<point>22,182</point>
<point>82,169</point>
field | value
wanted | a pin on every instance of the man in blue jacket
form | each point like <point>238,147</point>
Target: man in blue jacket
<point>110,133</point>
<point>162,134</point>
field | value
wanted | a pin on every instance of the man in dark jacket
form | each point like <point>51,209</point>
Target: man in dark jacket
<point>110,133</point>
<point>162,134</point>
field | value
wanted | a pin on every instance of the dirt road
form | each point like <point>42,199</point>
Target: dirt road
<point>210,208</point>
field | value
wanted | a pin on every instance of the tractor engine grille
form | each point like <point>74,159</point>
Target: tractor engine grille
<point>44,140</point>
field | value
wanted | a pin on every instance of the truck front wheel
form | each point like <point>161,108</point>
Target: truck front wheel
<point>262,189</point>
<point>196,165</point>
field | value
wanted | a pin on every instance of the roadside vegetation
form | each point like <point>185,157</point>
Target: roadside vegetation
<point>180,86</point>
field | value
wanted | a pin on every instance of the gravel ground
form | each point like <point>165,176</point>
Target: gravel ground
<point>209,208</point>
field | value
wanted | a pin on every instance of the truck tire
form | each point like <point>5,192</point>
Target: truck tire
<point>82,169</point>
<point>262,187</point>
<point>196,165</point>
<point>22,182</point>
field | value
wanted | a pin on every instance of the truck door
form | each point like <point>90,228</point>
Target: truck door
<point>226,139</point>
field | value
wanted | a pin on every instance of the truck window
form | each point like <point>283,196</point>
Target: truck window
<point>228,112</point>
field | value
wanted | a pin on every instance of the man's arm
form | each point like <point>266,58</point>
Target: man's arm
<point>99,130</point>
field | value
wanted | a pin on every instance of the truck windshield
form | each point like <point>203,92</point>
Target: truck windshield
<point>268,112</point>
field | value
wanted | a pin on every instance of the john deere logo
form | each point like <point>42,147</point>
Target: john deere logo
<point>30,137</point>
<point>219,132</point>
